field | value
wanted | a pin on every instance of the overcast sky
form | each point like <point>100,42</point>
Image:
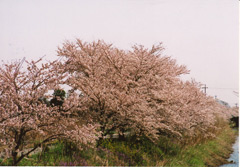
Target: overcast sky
<point>201,34</point>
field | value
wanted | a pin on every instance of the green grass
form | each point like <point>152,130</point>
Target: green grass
<point>209,153</point>
<point>133,152</point>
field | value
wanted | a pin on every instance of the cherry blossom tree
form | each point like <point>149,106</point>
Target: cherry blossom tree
<point>124,89</point>
<point>140,90</point>
<point>26,121</point>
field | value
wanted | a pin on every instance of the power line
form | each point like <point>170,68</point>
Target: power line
<point>223,88</point>
<point>236,93</point>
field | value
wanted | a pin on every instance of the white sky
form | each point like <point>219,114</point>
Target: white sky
<point>202,34</point>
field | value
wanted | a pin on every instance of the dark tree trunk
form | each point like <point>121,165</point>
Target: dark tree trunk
<point>14,156</point>
<point>121,137</point>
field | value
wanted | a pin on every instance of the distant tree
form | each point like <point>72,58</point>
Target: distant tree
<point>60,92</point>
<point>25,120</point>
<point>58,99</point>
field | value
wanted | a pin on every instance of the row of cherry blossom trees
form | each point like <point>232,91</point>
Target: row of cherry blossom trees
<point>138,90</point>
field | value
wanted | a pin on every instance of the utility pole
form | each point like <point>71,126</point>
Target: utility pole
<point>205,89</point>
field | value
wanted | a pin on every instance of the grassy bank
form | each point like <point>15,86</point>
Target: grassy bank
<point>133,152</point>
<point>209,153</point>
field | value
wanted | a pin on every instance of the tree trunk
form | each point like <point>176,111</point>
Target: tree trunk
<point>121,137</point>
<point>14,156</point>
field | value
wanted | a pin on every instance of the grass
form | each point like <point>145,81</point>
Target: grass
<point>209,153</point>
<point>133,152</point>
